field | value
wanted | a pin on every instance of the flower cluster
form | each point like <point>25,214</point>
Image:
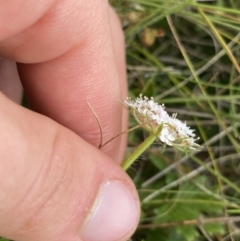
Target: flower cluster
<point>151,115</point>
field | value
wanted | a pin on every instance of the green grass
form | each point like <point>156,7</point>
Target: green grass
<point>193,67</point>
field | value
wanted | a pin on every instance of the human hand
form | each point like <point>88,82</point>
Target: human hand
<point>55,183</point>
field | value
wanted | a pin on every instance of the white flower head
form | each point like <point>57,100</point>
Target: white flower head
<point>151,115</point>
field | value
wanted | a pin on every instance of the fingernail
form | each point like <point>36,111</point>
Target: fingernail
<point>114,215</point>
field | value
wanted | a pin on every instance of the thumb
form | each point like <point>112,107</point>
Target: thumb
<point>55,186</point>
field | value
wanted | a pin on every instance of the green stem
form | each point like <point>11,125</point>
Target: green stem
<point>140,149</point>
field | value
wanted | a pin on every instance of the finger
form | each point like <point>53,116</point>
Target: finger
<point>119,56</point>
<point>81,67</point>
<point>55,186</point>
<point>10,84</point>
<point>18,20</point>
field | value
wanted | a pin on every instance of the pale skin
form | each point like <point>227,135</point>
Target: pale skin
<point>68,52</point>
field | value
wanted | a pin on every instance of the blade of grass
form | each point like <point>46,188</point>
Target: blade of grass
<point>219,38</point>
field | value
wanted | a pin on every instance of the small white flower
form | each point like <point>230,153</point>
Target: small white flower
<point>151,115</point>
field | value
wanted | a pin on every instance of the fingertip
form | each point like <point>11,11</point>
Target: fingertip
<point>118,207</point>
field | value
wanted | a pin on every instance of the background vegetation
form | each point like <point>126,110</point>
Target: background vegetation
<point>185,53</point>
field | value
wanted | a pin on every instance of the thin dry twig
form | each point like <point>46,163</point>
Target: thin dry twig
<point>192,222</point>
<point>99,124</point>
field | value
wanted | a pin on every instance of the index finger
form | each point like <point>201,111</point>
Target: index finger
<point>72,45</point>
